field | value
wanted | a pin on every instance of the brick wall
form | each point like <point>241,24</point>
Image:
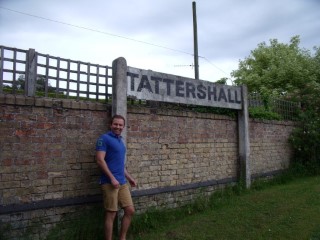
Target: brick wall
<point>269,146</point>
<point>46,158</point>
<point>47,165</point>
<point>47,151</point>
<point>172,148</point>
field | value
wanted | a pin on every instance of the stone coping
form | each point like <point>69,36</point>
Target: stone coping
<point>21,100</point>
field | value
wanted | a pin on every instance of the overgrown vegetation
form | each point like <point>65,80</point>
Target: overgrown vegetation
<point>277,212</point>
<point>5,228</point>
<point>156,223</point>
<point>288,72</point>
<point>262,113</point>
<point>286,204</point>
<point>306,139</point>
<point>86,225</point>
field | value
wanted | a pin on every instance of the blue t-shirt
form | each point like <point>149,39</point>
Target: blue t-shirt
<point>115,150</point>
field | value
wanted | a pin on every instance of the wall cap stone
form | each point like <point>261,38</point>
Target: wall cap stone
<point>21,100</point>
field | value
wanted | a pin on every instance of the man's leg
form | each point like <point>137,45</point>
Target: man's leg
<point>108,224</point>
<point>110,202</point>
<point>126,220</point>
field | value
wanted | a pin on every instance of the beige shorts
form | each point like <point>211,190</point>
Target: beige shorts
<point>114,197</point>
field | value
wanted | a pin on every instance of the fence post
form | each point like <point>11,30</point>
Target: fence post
<point>1,69</point>
<point>119,106</point>
<point>244,142</point>
<point>31,73</point>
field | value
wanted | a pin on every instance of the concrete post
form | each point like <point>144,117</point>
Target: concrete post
<point>119,89</point>
<point>119,106</point>
<point>1,69</point>
<point>31,73</point>
<point>244,142</point>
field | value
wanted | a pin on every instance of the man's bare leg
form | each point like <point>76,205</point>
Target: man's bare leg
<point>126,220</point>
<point>108,224</point>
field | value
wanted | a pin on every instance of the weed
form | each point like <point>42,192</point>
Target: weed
<point>4,229</point>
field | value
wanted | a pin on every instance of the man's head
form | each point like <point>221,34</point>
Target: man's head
<point>117,124</point>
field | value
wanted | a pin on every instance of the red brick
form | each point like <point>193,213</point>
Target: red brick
<point>42,175</point>
<point>7,162</point>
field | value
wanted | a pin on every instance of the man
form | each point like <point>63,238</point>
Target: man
<point>110,155</point>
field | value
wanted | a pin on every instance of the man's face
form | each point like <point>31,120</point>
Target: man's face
<point>117,126</point>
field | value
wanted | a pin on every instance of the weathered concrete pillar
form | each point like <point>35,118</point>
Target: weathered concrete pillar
<point>244,142</point>
<point>119,90</point>
<point>119,106</point>
<point>31,73</point>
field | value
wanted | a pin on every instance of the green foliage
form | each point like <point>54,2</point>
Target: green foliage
<point>274,212</point>
<point>185,107</point>
<point>214,110</point>
<point>19,86</point>
<point>279,69</point>
<point>296,170</point>
<point>159,219</point>
<point>262,113</point>
<point>316,234</point>
<point>150,220</point>
<point>8,89</point>
<point>287,72</point>
<point>87,224</point>
<point>305,139</point>
<point>282,70</point>
<point>222,81</point>
<point>154,219</point>
<point>223,203</point>
<point>5,229</point>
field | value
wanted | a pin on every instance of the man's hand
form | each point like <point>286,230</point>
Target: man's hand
<point>115,183</point>
<point>132,182</point>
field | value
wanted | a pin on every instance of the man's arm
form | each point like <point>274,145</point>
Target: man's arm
<point>131,180</point>
<point>100,155</point>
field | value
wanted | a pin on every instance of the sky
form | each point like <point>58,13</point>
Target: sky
<point>158,35</point>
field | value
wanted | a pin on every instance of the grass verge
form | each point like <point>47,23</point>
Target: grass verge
<point>285,211</point>
<point>286,207</point>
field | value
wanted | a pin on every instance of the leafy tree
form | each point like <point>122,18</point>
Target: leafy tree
<point>282,70</point>
<point>19,84</point>
<point>289,72</point>
<point>41,83</point>
<point>222,81</point>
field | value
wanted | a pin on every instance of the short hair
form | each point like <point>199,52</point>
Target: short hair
<point>118,117</point>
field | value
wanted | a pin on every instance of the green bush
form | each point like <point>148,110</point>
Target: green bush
<point>262,113</point>
<point>305,140</point>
